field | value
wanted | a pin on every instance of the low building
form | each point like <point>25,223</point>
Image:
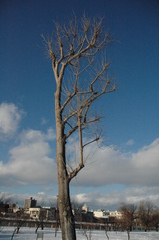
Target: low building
<point>37,213</point>
<point>82,214</point>
<point>3,208</point>
<point>13,208</point>
<point>51,213</point>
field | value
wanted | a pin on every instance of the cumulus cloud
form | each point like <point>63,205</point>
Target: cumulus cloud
<point>95,199</point>
<point>113,199</point>
<point>108,166</point>
<point>31,162</point>
<point>10,117</point>
<point>28,136</point>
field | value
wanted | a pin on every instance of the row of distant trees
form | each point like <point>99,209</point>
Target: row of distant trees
<point>146,214</point>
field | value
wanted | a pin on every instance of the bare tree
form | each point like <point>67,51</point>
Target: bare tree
<point>4,199</point>
<point>155,219</point>
<point>40,220</point>
<point>129,214</point>
<point>81,77</point>
<point>145,213</point>
<point>20,221</point>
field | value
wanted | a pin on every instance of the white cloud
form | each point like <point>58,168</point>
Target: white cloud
<point>113,199</point>
<point>130,142</point>
<point>96,199</point>
<point>51,134</point>
<point>31,161</point>
<point>147,156</point>
<point>41,193</point>
<point>28,136</point>
<point>108,166</point>
<point>10,117</point>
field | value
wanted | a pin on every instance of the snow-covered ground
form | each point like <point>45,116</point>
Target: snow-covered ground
<point>49,234</point>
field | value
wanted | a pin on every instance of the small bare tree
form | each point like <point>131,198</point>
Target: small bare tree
<point>87,233</point>
<point>40,221</point>
<point>81,77</point>
<point>106,231</point>
<point>155,219</point>
<point>20,221</point>
<point>145,212</point>
<point>129,214</point>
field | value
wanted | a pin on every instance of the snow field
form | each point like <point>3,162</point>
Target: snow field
<point>49,234</point>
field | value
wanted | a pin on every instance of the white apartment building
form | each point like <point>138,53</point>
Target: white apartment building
<point>101,214</point>
<point>107,214</point>
<point>115,214</point>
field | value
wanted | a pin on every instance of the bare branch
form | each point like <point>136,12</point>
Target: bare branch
<point>89,101</point>
<point>71,131</point>
<point>98,75</point>
<point>75,172</point>
<point>81,165</point>
<point>94,140</point>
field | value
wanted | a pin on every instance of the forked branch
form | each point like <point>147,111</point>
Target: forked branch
<point>77,49</point>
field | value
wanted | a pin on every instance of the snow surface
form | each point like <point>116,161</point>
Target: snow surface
<point>49,234</point>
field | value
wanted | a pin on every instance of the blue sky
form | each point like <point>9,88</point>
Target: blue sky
<point>126,167</point>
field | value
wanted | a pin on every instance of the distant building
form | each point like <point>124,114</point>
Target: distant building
<point>13,208</point>
<point>83,214</point>
<point>85,208</point>
<point>101,214</point>
<point>29,203</point>
<point>37,212</point>
<point>3,208</point>
<point>115,214</point>
<point>51,213</point>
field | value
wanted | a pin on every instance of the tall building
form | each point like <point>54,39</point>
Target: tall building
<point>29,203</point>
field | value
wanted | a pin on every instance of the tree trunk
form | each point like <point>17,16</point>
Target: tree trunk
<point>64,203</point>
<point>65,211</point>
